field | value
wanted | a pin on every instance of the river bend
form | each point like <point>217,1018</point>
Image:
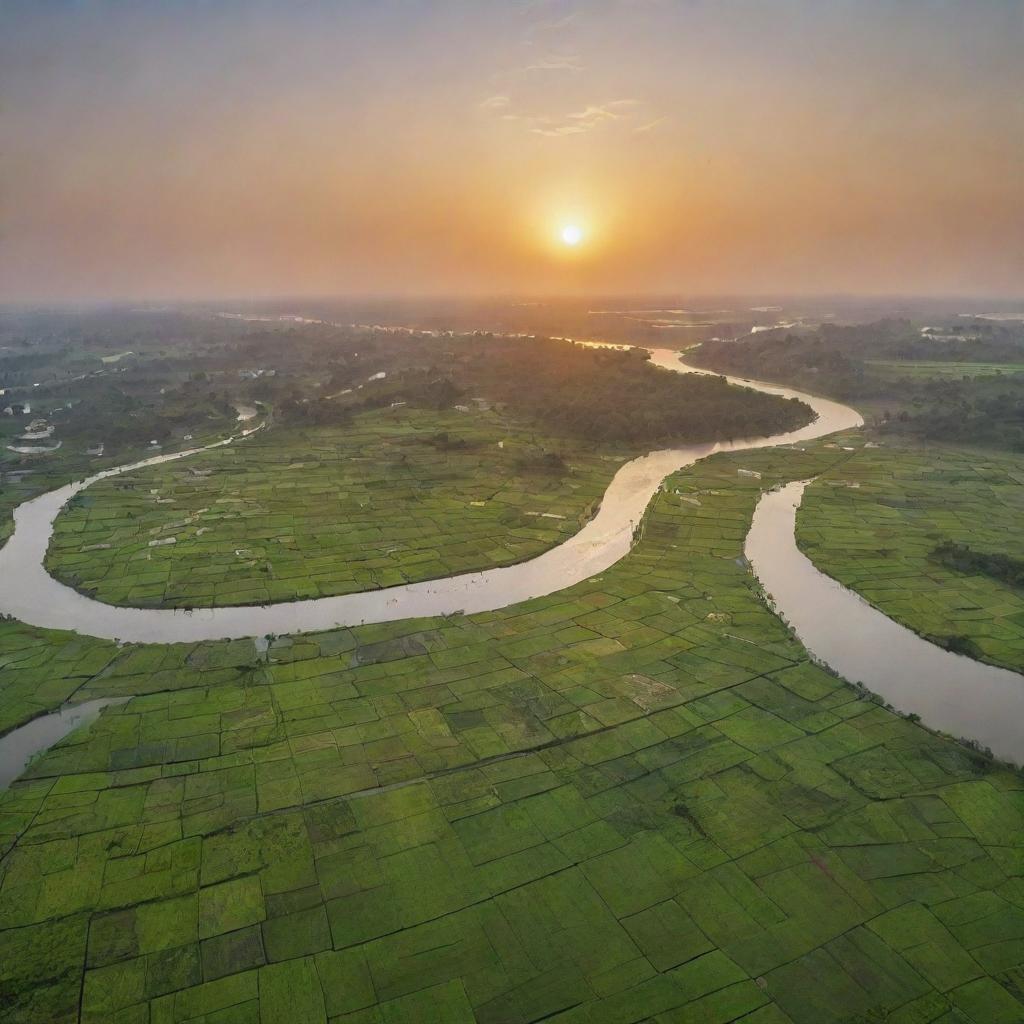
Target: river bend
<point>29,593</point>
<point>961,696</point>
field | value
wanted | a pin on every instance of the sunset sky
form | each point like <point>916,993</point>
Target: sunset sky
<point>156,150</point>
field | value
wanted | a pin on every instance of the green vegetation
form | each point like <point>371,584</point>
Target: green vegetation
<point>932,537</point>
<point>998,566</point>
<point>925,368</point>
<point>95,411</point>
<point>612,395</point>
<point>963,386</point>
<point>894,522</point>
<point>326,503</point>
<point>398,496</point>
<point>90,441</point>
<point>107,385</point>
<point>633,800</point>
<point>40,670</point>
<point>594,394</point>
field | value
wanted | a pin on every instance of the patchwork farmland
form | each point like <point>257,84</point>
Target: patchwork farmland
<point>633,800</point>
<point>878,520</point>
<point>400,496</point>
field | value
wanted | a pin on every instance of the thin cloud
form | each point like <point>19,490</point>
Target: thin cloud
<point>496,102</point>
<point>568,62</point>
<point>649,126</point>
<point>546,16</point>
<point>552,25</point>
<point>576,122</point>
<point>581,121</point>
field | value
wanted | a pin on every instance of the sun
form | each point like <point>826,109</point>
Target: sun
<point>572,234</point>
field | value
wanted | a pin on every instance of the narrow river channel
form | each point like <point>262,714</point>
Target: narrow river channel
<point>963,697</point>
<point>40,600</point>
<point>958,695</point>
<point>20,745</point>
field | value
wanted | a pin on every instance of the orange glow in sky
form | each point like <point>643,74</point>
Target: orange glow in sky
<point>159,150</point>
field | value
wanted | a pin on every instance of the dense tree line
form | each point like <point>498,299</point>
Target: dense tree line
<point>318,413</point>
<point>813,363</point>
<point>978,410</point>
<point>997,566</point>
<point>185,369</point>
<point>593,393</point>
<point>119,418</point>
<point>833,360</point>
<point>613,395</point>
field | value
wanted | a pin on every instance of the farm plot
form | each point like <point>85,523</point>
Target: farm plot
<point>875,522</point>
<point>633,800</point>
<point>927,369</point>
<point>399,496</point>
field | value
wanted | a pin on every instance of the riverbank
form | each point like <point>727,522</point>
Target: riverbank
<point>398,495</point>
<point>947,691</point>
<point>879,522</point>
<point>640,778</point>
<point>42,601</point>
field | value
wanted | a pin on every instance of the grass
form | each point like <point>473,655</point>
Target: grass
<point>23,477</point>
<point>635,800</point>
<point>873,521</point>
<point>296,514</point>
<point>924,369</point>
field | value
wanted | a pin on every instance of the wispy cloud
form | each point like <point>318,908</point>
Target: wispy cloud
<point>649,125</point>
<point>551,17</point>
<point>526,92</point>
<point>541,28</point>
<point>576,122</point>
<point>565,62</point>
<point>496,102</point>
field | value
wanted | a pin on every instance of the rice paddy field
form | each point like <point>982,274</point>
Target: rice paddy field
<point>923,369</point>
<point>874,520</point>
<point>25,477</point>
<point>401,495</point>
<point>635,800</point>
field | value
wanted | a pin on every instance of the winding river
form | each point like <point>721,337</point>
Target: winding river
<point>961,696</point>
<point>40,600</point>
<point>956,694</point>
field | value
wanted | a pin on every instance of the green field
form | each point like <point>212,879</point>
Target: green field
<point>921,369</point>
<point>398,496</point>
<point>874,520</point>
<point>635,800</point>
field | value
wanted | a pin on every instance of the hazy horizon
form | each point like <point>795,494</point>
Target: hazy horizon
<point>271,152</point>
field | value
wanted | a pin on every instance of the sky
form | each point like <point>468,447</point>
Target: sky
<point>176,149</point>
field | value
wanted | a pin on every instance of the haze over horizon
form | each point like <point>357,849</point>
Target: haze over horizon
<point>159,151</point>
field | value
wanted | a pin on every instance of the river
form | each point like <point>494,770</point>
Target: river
<point>20,745</point>
<point>40,600</point>
<point>956,694</point>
